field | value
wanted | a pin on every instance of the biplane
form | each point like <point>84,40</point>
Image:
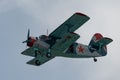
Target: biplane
<point>62,43</point>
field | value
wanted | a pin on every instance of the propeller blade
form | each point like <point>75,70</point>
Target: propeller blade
<point>25,41</point>
<point>28,34</point>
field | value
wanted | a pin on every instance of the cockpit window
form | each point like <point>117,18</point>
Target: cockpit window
<point>43,37</point>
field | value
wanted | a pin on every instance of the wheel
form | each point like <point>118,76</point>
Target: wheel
<point>48,55</point>
<point>95,60</point>
<point>37,63</point>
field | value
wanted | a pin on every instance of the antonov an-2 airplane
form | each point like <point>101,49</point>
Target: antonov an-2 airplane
<point>62,42</point>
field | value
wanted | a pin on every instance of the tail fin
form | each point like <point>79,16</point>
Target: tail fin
<point>98,43</point>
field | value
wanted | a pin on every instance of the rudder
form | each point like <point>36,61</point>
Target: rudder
<point>98,43</point>
<point>96,37</point>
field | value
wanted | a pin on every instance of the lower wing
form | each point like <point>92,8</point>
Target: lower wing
<point>39,60</point>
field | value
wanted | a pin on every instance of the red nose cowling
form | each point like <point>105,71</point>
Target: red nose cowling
<point>31,41</point>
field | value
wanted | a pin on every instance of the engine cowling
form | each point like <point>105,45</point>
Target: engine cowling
<point>31,41</point>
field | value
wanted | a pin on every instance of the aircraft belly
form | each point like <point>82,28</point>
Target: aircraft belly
<point>71,55</point>
<point>81,51</point>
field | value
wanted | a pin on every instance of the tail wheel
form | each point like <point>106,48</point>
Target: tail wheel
<point>37,62</point>
<point>95,60</point>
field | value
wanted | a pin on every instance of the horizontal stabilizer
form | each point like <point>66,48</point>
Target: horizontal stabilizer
<point>103,42</point>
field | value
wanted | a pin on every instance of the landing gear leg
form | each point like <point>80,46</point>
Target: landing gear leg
<point>49,54</point>
<point>95,60</point>
<point>37,52</point>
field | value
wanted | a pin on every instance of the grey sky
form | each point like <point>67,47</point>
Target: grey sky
<point>16,16</point>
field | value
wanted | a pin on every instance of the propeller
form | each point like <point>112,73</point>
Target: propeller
<point>28,37</point>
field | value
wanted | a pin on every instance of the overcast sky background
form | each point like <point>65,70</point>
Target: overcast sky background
<point>16,16</point>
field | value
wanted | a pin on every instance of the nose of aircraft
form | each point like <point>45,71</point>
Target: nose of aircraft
<point>30,40</point>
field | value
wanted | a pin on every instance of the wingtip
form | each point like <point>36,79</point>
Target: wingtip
<point>111,40</point>
<point>78,13</point>
<point>22,53</point>
<point>81,14</point>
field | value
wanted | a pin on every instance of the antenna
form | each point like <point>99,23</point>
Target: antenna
<point>47,34</point>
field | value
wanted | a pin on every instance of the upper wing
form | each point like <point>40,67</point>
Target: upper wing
<point>29,52</point>
<point>36,47</point>
<point>70,25</point>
